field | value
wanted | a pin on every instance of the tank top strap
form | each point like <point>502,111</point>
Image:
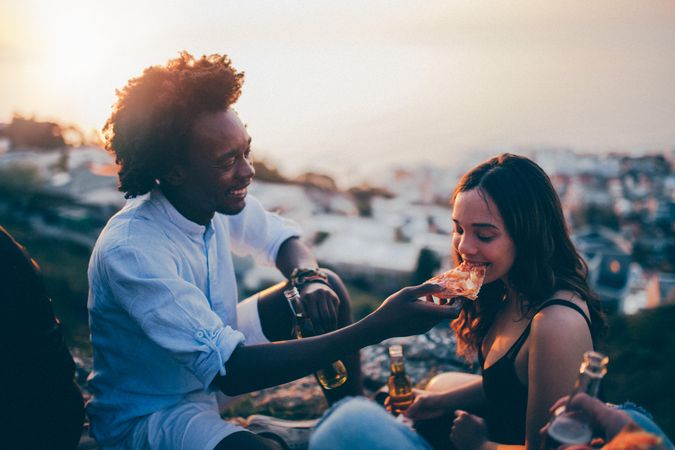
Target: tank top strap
<point>481,360</point>
<point>515,348</point>
<point>567,303</point>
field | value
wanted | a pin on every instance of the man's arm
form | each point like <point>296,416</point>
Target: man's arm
<point>319,300</point>
<point>256,367</point>
<point>294,253</point>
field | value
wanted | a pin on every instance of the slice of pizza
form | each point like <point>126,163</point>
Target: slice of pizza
<point>464,280</point>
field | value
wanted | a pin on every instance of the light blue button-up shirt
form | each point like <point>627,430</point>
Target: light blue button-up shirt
<point>163,305</point>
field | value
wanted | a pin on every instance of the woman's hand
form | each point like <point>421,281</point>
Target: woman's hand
<point>404,314</point>
<point>469,432</point>
<point>427,405</point>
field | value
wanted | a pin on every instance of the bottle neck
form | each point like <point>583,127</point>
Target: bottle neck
<point>397,366</point>
<point>588,384</point>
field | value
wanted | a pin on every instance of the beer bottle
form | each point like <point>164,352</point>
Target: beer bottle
<point>331,376</point>
<point>400,387</point>
<point>570,427</point>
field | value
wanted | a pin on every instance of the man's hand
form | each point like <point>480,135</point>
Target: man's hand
<point>404,314</point>
<point>469,432</point>
<point>320,304</point>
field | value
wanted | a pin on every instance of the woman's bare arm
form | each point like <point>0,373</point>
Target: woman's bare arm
<point>558,340</point>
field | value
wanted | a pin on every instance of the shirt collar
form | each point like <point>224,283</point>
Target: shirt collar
<point>183,223</point>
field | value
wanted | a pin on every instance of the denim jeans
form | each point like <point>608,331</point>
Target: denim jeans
<point>645,421</point>
<point>356,423</point>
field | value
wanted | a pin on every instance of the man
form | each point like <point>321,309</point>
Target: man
<point>167,331</point>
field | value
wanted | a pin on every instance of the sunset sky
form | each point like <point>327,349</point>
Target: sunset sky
<point>348,86</point>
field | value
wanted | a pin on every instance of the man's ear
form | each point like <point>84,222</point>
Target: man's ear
<point>175,176</point>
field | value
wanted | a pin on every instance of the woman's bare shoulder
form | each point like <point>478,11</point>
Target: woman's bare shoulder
<point>558,321</point>
<point>571,297</point>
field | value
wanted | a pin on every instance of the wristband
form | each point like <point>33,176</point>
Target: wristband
<point>304,275</point>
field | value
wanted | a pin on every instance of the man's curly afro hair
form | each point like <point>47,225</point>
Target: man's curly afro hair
<point>150,125</point>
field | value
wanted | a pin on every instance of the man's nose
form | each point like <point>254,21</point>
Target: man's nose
<point>246,170</point>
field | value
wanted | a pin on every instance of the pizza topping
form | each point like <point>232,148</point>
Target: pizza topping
<point>464,280</point>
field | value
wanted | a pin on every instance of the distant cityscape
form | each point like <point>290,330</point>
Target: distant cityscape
<point>392,231</point>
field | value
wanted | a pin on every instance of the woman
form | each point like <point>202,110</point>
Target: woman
<point>534,318</point>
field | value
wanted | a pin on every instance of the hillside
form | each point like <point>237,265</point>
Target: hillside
<point>642,363</point>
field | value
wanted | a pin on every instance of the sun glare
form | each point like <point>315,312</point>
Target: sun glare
<point>73,42</point>
<point>82,53</point>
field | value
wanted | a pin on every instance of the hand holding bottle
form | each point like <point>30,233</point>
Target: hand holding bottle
<point>570,427</point>
<point>601,416</point>
<point>320,304</point>
<point>331,376</point>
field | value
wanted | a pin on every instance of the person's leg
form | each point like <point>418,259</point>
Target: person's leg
<point>193,425</point>
<point>437,431</point>
<point>245,440</point>
<point>360,424</point>
<point>450,380</point>
<point>354,384</point>
<point>645,421</point>
<point>274,304</point>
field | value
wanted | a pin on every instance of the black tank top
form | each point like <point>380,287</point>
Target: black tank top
<point>506,396</point>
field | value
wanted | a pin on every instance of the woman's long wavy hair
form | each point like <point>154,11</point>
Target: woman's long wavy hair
<point>546,261</point>
<point>149,129</point>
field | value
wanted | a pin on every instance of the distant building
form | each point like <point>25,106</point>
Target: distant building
<point>608,257</point>
<point>4,145</point>
<point>660,289</point>
<point>609,278</point>
<point>30,133</point>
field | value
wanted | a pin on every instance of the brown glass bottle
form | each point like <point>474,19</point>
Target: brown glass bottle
<point>331,376</point>
<point>400,387</point>
<point>569,427</point>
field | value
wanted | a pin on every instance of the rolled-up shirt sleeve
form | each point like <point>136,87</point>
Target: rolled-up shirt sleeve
<point>173,313</point>
<point>260,233</point>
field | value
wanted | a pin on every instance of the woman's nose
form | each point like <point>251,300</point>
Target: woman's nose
<point>466,246</point>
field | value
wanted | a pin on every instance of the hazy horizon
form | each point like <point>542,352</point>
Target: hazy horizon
<point>348,88</point>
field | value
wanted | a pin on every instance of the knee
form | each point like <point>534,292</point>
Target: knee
<point>338,286</point>
<point>245,440</point>
<point>351,416</point>
<point>334,279</point>
<point>449,380</point>
<point>360,424</point>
